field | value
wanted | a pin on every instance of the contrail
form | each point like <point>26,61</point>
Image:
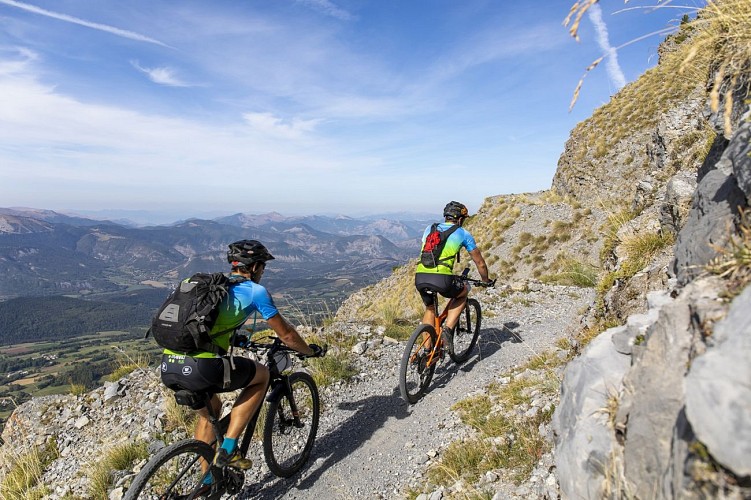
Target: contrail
<point>613,69</point>
<point>75,20</point>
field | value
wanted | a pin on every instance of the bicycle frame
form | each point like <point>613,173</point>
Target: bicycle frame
<point>441,317</point>
<point>277,388</point>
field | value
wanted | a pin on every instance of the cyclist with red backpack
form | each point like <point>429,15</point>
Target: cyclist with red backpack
<point>441,244</point>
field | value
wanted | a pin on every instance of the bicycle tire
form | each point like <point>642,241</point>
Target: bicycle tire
<point>178,463</point>
<point>414,374</point>
<point>286,447</point>
<point>466,332</point>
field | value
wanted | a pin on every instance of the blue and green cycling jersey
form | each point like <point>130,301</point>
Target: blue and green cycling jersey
<point>242,300</point>
<point>458,239</point>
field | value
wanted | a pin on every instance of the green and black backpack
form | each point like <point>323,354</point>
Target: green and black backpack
<point>184,320</point>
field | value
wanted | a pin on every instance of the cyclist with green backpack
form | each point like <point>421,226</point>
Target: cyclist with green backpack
<point>441,244</point>
<point>210,370</point>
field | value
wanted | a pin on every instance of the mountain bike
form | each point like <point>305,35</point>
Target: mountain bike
<point>425,347</point>
<point>178,471</point>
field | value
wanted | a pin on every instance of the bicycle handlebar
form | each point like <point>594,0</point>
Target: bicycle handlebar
<point>277,345</point>
<point>486,284</point>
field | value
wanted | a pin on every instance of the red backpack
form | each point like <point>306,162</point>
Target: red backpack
<point>434,243</point>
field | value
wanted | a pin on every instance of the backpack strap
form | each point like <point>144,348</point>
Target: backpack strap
<point>445,234</point>
<point>211,346</point>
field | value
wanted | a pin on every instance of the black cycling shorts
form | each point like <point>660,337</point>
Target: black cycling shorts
<point>447,285</point>
<point>204,374</point>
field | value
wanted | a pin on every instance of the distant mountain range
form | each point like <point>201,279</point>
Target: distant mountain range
<point>43,252</point>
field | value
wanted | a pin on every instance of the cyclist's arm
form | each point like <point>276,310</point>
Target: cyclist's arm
<point>289,335</point>
<point>482,267</point>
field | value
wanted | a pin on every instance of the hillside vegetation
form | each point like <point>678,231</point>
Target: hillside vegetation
<point>24,320</point>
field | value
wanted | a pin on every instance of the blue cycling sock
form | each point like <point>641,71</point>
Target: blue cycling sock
<point>229,444</point>
<point>209,479</point>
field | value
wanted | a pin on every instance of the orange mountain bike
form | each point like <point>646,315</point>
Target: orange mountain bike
<point>425,347</point>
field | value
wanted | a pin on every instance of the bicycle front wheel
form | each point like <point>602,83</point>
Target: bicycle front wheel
<point>466,332</point>
<point>414,371</point>
<point>174,472</point>
<point>291,426</point>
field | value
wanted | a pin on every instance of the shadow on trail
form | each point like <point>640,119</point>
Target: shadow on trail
<point>370,414</point>
<point>489,342</point>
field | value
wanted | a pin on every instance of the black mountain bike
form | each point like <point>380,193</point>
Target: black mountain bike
<point>289,430</point>
<point>425,349</point>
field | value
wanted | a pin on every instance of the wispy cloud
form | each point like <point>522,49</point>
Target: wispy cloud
<point>615,73</point>
<point>17,64</point>
<point>81,22</point>
<point>327,7</point>
<point>272,125</point>
<point>162,76</point>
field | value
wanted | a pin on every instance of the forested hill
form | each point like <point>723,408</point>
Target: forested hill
<point>29,319</point>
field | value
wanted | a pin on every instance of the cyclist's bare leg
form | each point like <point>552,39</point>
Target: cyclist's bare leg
<point>204,432</point>
<point>455,309</point>
<point>248,402</point>
<point>429,317</point>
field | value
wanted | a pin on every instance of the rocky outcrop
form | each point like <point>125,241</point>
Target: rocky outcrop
<point>718,394</point>
<point>714,213</point>
<point>678,413</point>
<point>83,428</point>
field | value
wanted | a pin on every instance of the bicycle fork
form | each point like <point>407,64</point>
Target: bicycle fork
<point>279,390</point>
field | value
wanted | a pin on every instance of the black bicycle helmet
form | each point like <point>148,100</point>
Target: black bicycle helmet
<point>247,252</point>
<point>455,210</point>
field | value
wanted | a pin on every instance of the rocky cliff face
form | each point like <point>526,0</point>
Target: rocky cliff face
<point>658,408</point>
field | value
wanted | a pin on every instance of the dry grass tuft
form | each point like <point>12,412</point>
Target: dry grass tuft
<point>178,416</point>
<point>23,472</point>
<point>127,364</point>
<point>121,457</point>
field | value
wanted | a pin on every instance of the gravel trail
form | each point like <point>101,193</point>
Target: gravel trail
<point>371,444</point>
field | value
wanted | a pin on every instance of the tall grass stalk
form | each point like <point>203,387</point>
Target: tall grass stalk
<point>713,51</point>
<point>127,364</point>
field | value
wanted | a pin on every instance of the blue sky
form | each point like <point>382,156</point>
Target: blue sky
<point>300,106</point>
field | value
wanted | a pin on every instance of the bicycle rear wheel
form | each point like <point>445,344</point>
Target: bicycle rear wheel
<point>287,440</point>
<point>174,472</point>
<point>466,332</point>
<point>414,372</point>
